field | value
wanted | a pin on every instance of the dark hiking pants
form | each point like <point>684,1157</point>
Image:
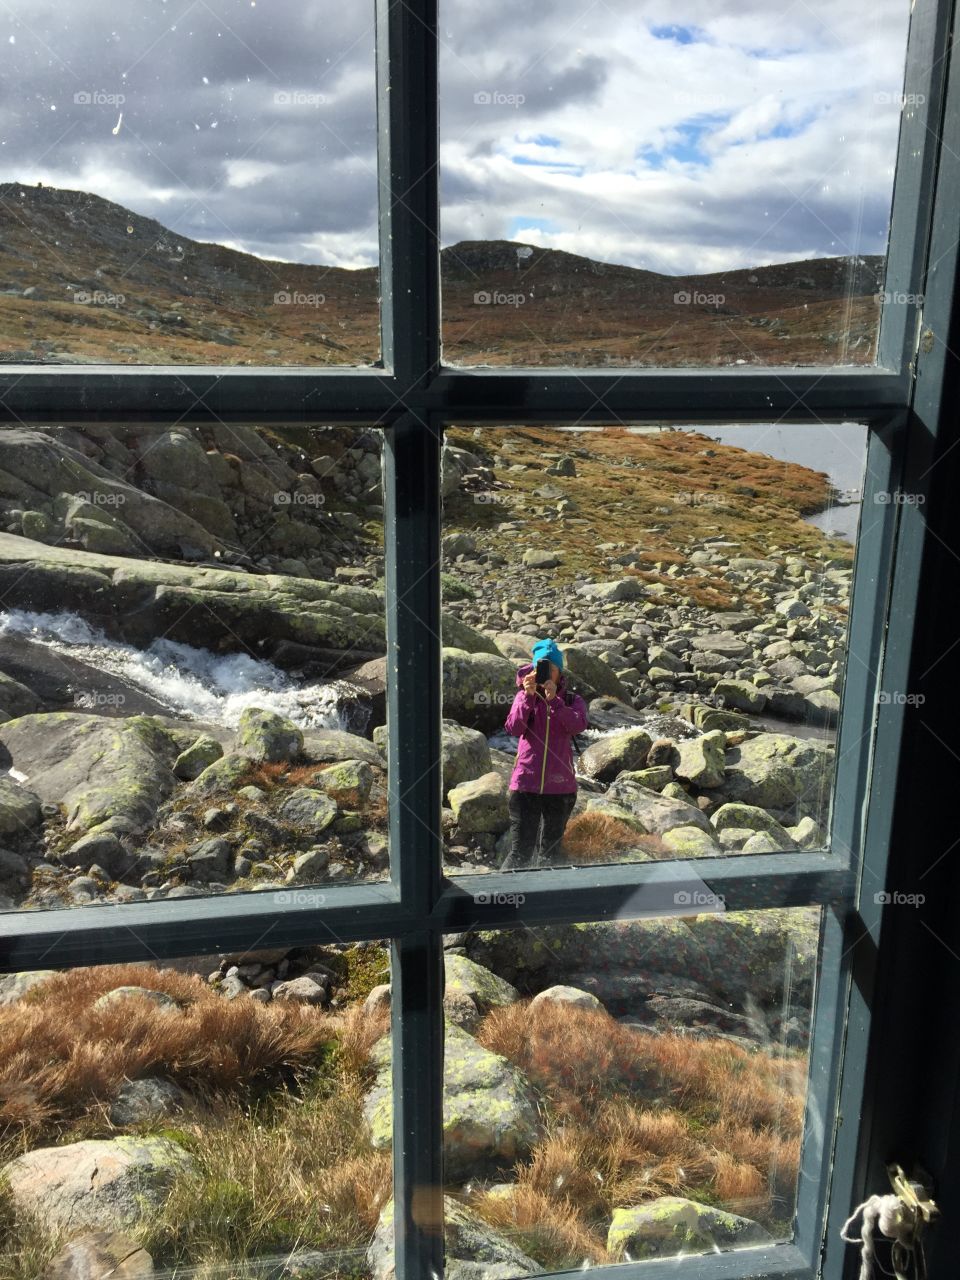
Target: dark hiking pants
<point>528,810</point>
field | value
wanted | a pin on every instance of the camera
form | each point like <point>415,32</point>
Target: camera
<point>543,672</point>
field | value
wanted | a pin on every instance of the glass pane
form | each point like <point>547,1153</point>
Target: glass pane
<point>195,186</point>
<point>644,185</point>
<point>225,1090</point>
<point>192,639</point>
<point>644,1082</point>
<point>696,584</point>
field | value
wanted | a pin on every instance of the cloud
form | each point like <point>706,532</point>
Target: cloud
<point>726,133</point>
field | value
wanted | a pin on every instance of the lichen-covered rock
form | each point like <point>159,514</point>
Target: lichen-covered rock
<point>736,815</point>
<point>267,737</point>
<point>478,688</point>
<point>96,766</point>
<point>465,754</point>
<point>347,782</point>
<point>490,1116</point>
<point>702,759</point>
<point>567,995</point>
<point>458,635</point>
<point>473,1249</point>
<point>480,805</point>
<point>224,774</point>
<point>191,763</point>
<point>615,753</point>
<point>307,807</point>
<point>658,812</point>
<point>19,808</point>
<point>691,842</point>
<point>469,978</point>
<point>96,1183</point>
<point>777,771</point>
<point>740,694</point>
<point>671,1225</point>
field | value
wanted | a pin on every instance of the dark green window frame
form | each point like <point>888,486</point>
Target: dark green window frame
<point>411,396</point>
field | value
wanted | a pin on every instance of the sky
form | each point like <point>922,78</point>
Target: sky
<point>690,136</point>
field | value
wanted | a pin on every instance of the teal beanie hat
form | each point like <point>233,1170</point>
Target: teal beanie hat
<point>548,649</point>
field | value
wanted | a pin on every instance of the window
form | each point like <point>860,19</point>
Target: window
<point>328,928</point>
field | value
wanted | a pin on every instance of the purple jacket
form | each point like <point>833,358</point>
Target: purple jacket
<point>544,756</point>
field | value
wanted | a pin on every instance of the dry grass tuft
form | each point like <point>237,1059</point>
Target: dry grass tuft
<point>593,836</point>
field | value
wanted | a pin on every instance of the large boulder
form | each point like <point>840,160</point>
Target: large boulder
<point>20,810</point>
<point>458,635</point>
<point>490,1115</point>
<point>465,754</point>
<point>610,755</point>
<point>473,1250</point>
<point>480,805</point>
<point>267,737</point>
<point>478,688</point>
<point>96,766</point>
<point>672,1225</point>
<point>657,813</point>
<point>464,976</point>
<point>702,760</point>
<point>776,771</point>
<point>585,668</point>
<point>96,1183</point>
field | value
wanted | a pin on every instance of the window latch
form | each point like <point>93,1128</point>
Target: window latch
<point>901,1217</point>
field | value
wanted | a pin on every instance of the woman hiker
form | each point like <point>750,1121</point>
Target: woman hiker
<point>543,786</point>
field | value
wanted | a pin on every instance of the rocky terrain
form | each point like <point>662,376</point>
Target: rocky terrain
<point>192,702</point>
<point>85,280</point>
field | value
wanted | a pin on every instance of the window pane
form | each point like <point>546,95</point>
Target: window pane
<point>653,186</point>
<point>191,661</point>
<point>191,187</point>
<point>617,1092</point>
<point>696,583</point>
<point>227,1089</point>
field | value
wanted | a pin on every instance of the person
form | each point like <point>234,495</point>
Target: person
<point>543,785</point>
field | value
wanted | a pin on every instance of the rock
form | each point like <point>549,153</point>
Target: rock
<point>96,1183</point>
<point>19,808</point>
<point>94,765</point>
<point>466,977</point>
<point>306,807</point>
<point>99,845</point>
<point>691,842</point>
<point>265,736</point>
<point>764,842</point>
<point>158,998</point>
<point>478,689</point>
<point>747,815</point>
<point>490,1116</point>
<point>792,608</point>
<point>17,699</point>
<point>657,812</point>
<point>304,990</point>
<point>533,559</point>
<point>473,1249</point>
<point>702,760</point>
<point>192,762</point>
<point>480,805</point>
<point>672,1225</point>
<point>149,1098</point>
<point>615,753</point>
<point>457,635</point>
<point>586,668</point>
<point>465,754</point>
<point>210,859</point>
<point>14,870</point>
<point>777,771</point>
<point>100,1255</point>
<point>321,746</point>
<point>725,646</point>
<point>378,998</point>
<point>14,986</point>
<point>806,834</point>
<point>740,694</point>
<point>567,995</point>
<point>620,589</point>
<point>348,782</point>
<point>307,866</point>
<point>224,774</point>
<point>461,1010</point>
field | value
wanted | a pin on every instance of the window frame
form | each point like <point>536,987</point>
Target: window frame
<point>412,395</point>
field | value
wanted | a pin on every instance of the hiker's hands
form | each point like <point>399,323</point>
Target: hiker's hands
<point>549,690</point>
<point>530,682</point>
